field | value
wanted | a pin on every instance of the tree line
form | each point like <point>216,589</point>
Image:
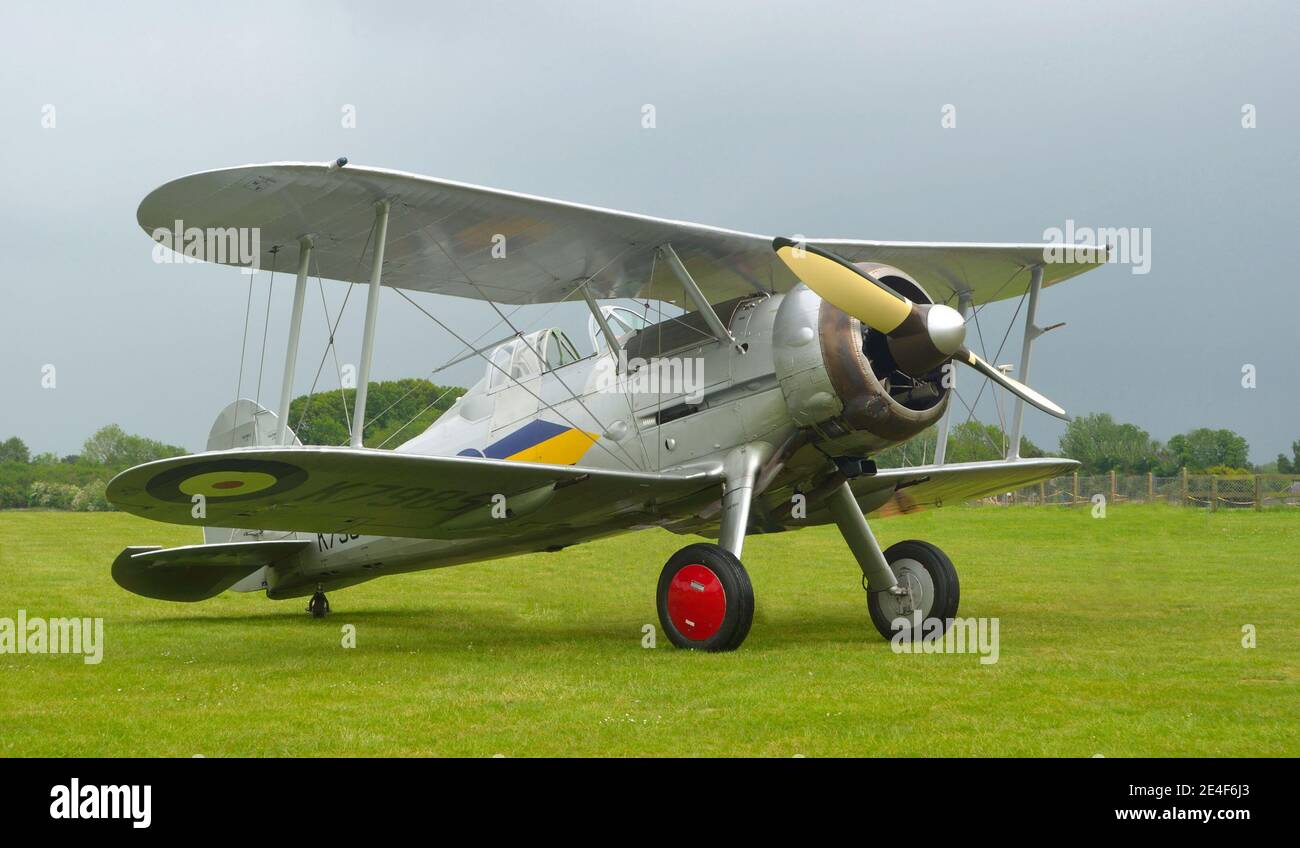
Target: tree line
<point>1101,444</point>
<point>400,410</point>
<point>75,481</point>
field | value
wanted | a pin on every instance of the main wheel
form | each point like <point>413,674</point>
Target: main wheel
<point>705,599</point>
<point>930,586</point>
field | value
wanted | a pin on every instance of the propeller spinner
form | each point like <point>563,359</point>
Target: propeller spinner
<point>921,336</point>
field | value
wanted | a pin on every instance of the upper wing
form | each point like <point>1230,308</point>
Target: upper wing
<point>374,492</point>
<point>442,235</point>
<point>920,487</point>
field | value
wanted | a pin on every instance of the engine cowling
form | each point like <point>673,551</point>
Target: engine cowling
<point>839,379</point>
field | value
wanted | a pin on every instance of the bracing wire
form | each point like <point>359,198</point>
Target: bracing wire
<point>1011,323</point>
<point>971,410</point>
<point>458,357</point>
<point>572,395</point>
<point>549,406</point>
<point>971,407</point>
<point>329,344</point>
<point>239,384</point>
<point>266,324</point>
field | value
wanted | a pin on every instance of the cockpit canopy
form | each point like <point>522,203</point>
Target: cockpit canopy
<point>521,359</point>
<point>622,321</point>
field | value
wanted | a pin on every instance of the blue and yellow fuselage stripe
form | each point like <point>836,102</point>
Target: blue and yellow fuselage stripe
<point>540,441</point>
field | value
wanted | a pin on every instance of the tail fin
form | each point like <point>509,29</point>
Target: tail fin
<point>246,424</point>
<point>243,424</point>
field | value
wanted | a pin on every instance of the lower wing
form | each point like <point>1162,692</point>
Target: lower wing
<point>921,487</point>
<point>384,493</point>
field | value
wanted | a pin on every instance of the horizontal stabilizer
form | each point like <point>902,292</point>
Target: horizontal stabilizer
<point>197,572</point>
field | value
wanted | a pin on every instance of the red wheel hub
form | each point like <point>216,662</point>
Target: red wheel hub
<point>697,603</point>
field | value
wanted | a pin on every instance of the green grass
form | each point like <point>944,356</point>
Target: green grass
<point>1119,636</point>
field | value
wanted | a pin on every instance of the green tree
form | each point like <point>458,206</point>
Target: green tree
<point>92,498</point>
<point>14,449</point>
<point>52,495</point>
<point>1292,465</point>
<point>974,441</point>
<point>113,447</point>
<point>970,441</point>
<point>13,490</point>
<point>1102,444</point>
<point>398,410</point>
<point>1203,448</point>
<point>918,451</point>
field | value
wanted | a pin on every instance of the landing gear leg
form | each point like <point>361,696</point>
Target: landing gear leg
<point>857,533</point>
<point>912,588</point>
<point>319,605</point>
<point>705,599</point>
<point>742,467</point>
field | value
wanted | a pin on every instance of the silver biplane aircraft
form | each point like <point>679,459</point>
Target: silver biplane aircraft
<point>815,355</point>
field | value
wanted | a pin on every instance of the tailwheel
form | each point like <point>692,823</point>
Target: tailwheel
<point>705,599</point>
<point>319,605</point>
<point>927,593</point>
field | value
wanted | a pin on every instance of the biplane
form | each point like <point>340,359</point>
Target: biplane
<point>811,356</point>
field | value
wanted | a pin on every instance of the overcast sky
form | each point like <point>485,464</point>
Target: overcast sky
<point>823,119</point>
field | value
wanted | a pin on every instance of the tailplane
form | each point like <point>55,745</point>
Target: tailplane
<point>197,572</point>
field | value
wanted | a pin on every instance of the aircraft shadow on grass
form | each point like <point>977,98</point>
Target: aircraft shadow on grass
<point>451,629</point>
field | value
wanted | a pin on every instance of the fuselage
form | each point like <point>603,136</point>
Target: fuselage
<point>701,400</point>
<point>672,396</point>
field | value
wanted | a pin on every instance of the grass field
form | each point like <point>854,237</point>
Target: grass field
<point>1119,636</point>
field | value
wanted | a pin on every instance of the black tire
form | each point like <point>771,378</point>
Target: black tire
<point>318,606</point>
<point>943,576</point>
<point>718,629</point>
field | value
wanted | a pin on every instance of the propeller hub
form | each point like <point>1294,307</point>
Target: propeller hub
<point>946,327</point>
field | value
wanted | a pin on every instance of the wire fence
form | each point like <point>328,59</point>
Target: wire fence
<point>1208,491</point>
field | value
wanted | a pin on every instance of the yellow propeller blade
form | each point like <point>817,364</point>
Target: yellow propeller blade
<point>1016,387</point>
<point>844,286</point>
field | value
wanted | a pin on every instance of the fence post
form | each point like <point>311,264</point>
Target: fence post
<point>1151,487</point>
<point>1042,493</point>
<point>1259,494</point>
<point>1076,489</point>
<point>1112,485</point>
<point>1214,493</point>
<point>1185,492</point>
